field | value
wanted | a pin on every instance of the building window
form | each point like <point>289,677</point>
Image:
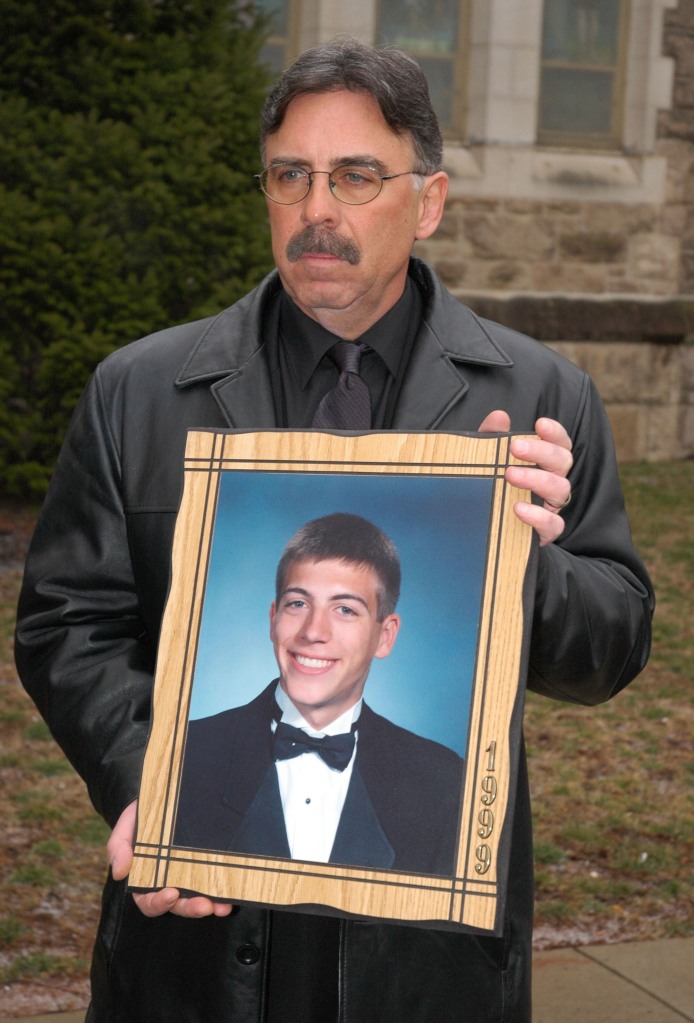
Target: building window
<point>432,31</point>
<point>582,75</point>
<point>278,50</point>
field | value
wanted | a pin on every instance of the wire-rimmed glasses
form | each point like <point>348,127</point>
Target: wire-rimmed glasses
<point>287,184</point>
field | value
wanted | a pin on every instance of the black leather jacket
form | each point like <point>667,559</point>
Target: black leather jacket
<point>91,606</point>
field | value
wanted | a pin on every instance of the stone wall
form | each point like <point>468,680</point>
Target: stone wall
<point>526,219</point>
<point>676,133</point>
<point>566,246</point>
<point>648,390</point>
<point>639,353</point>
<point>593,254</point>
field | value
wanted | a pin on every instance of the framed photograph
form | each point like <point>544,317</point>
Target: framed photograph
<point>340,678</point>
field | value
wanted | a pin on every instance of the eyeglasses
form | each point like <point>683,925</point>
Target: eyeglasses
<point>355,186</point>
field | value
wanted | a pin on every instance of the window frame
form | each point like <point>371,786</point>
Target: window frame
<point>287,44</point>
<point>455,128</point>
<point>614,138</point>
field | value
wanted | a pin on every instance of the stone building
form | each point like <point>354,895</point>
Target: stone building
<point>569,128</point>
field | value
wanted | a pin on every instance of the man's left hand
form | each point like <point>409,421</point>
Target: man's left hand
<point>550,455</point>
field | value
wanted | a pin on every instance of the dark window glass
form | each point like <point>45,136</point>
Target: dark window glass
<point>431,32</point>
<point>582,71</point>
<point>275,52</point>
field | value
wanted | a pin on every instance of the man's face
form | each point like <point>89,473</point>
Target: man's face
<point>325,633</point>
<point>324,131</point>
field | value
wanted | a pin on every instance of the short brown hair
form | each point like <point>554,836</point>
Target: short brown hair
<point>352,539</point>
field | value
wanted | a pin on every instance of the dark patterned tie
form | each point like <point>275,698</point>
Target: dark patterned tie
<point>347,406</point>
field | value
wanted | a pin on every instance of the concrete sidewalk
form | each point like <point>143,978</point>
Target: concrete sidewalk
<point>640,982</point>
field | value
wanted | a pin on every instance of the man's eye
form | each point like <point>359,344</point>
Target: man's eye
<point>295,604</point>
<point>353,178</point>
<point>345,609</point>
<point>289,175</point>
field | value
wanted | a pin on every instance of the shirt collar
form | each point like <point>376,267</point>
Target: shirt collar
<point>307,341</point>
<point>291,716</point>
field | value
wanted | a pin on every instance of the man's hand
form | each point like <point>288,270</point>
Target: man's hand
<point>552,460</point>
<point>166,900</point>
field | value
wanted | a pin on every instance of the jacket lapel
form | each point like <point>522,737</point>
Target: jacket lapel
<point>431,387</point>
<point>245,397</point>
<point>230,357</point>
<point>450,336</point>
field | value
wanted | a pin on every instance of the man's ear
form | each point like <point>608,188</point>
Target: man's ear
<point>389,631</point>
<point>431,204</point>
<point>273,612</point>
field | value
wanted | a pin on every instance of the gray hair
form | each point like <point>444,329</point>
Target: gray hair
<point>391,77</point>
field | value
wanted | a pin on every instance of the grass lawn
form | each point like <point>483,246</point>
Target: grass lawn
<point>612,786</point>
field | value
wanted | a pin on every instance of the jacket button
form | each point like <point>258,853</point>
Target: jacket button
<point>248,954</point>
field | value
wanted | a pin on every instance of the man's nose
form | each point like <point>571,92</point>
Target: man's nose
<point>320,205</point>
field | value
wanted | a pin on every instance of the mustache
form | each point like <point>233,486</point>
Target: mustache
<point>323,242</point>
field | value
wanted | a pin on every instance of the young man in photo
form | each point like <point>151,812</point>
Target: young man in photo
<point>307,770</point>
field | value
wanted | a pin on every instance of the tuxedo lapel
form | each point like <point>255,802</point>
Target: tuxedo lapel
<point>360,839</point>
<point>262,830</point>
<point>251,751</point>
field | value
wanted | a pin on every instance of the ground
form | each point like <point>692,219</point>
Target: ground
<point>612,787</point>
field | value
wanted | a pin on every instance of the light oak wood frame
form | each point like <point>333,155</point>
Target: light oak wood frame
<point>473,898</point>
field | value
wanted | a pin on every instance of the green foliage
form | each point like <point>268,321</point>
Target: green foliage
<point>34,875</point>
<point>49,849</point>
<point>40,964</point>
<point>38,730</point>
<point>11,929</point>
<point>89,830</point>
<point>128,141</point>
<point>35,805</point>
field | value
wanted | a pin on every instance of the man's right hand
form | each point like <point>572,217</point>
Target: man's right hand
<point>166,900</point>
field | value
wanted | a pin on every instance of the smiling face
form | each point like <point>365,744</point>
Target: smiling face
<point>347,293</point>
<point>325,632</point>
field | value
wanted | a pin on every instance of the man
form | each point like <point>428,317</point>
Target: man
<point>346,123</point>
<point>259,778</point>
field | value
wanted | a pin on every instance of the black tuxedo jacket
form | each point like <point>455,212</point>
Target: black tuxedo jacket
<point>401,810</point>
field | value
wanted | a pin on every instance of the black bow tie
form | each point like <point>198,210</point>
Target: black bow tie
<point>335,750</point>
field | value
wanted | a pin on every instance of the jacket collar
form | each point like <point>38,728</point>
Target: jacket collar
<point>230,356</point>
<point>450,336</point>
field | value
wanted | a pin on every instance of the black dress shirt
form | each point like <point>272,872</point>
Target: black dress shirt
<point>302,371</point>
